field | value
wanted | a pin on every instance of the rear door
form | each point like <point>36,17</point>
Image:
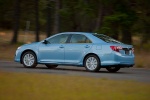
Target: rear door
<point>75,50</point>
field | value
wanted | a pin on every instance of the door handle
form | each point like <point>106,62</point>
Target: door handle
<point>87,46</point>
<point>61,46</point>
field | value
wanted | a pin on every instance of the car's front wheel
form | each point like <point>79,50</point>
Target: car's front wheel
<point>29,59</point>
<point>113,69</point>
<point>92,63</point>
<point>51,66</point>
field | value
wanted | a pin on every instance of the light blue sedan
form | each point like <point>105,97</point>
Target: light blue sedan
<point>91,50</point>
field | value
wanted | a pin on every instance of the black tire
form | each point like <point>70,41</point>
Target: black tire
<point>90,66</point>
<point>113,69</point>
<point>51,66</point>
<point>29,57</point>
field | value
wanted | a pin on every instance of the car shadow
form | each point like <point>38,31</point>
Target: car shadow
<point>77,70</point>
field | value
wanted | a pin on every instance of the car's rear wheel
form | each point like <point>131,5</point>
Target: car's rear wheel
<point>113,69</point>
<point>92,63</point>
<point>51,66</point>
<point>29,59</point>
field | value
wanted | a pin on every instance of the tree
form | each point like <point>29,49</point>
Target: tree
<point>120,20</point>
<point>16,21</point>
<point>128,20</point>
<point>7,12</point>
<point>37,19</point>
<point>57,17</point>
<point>142,25</point>
<point>100,17</point>
<point>48,11</point>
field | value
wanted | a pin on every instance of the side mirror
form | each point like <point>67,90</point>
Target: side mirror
<point>45,42</point>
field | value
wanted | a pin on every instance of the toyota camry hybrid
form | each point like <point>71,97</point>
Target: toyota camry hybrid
<point>90,50</point>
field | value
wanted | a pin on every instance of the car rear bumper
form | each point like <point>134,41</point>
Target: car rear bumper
<point>117,59</point>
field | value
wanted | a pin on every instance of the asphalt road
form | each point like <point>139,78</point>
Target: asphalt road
<point>133,74</point>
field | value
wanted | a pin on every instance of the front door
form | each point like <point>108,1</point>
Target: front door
<point>53,52</point>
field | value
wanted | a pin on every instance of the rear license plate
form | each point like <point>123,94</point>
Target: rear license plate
<point>127,52</point>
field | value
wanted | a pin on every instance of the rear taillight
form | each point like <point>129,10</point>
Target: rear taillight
<point>116,48</point>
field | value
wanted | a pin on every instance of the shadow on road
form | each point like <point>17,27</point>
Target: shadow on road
<point>75,69</point>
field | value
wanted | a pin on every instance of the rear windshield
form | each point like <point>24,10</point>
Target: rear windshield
<point>106,38</point>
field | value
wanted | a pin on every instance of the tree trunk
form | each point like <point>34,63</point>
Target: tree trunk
<point>126,35</point>
<point>37,20</point>
<point>146,33</point>
<point>48,10</point>
<point>145,37</point>
<point>100,17</point>
<point>57,17</point>
<point>115,31</point>
<point>16,21</point>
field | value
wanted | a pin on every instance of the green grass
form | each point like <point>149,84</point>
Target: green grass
<point>32,86</point>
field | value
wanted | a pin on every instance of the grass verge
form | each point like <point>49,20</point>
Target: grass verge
<point>31,86</point>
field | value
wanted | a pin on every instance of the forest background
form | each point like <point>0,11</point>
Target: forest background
<point>124,20</point>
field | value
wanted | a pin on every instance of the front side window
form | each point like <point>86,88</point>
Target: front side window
<point>77,38</point>
<point>59,39</point>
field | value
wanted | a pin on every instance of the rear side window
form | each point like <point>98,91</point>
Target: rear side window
<point>106,38</point>
<point>78,38</point>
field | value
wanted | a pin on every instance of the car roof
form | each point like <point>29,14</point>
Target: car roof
<point>76,33</point>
